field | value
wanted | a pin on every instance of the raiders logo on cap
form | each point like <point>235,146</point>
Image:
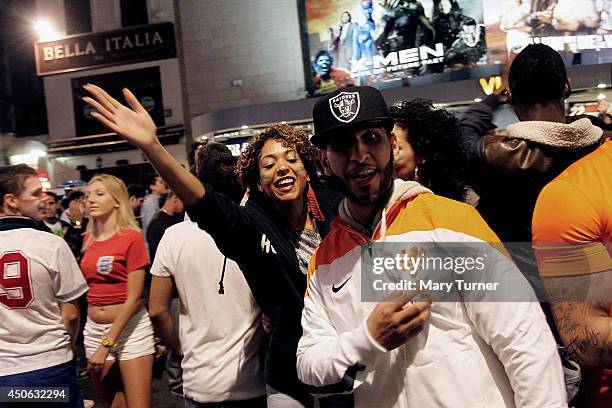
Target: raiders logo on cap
<point>345,106</point>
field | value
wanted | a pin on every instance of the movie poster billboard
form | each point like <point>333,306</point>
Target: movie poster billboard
<point>383,41</point>
<point>386,42</point>
<point>580,30</point>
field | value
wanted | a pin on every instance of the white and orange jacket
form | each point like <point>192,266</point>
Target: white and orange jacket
<point>470,354</point>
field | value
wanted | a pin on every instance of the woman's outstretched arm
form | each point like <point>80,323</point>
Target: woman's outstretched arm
<point>135,125</point>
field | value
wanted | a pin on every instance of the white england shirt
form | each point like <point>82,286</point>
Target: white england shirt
<point>37,273</point>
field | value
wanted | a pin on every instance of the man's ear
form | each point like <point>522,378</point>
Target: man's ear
<point>10,203</point>
<point>325,162</point>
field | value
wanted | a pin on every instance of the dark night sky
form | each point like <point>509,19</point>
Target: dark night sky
<point>22,100</point>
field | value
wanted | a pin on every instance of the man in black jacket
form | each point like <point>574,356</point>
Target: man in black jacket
<point>508,172</point>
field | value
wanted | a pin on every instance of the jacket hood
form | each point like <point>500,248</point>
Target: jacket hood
<point>581,133</point>
<point>400,191</point>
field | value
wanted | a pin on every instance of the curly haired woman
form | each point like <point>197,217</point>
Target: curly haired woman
<point>271,237</point>
<point>426,138</point>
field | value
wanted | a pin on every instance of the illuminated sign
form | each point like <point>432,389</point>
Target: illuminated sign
<point>83,51</point>
<point>490,85</point>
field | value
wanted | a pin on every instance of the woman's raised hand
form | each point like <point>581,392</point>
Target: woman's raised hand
<point>134,125</point>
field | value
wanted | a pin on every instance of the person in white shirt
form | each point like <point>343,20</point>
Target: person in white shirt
<point>39,287</point>
<point>50,204</point>
<point>220,331</point>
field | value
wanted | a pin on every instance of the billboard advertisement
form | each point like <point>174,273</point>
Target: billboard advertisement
<point>580,30</point>
<point>386,42</point>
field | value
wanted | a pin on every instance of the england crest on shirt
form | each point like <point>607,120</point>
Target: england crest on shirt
<point>105,265</point>
<point>345,106</point>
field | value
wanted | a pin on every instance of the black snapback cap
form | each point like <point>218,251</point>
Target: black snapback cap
<point>348,107</point>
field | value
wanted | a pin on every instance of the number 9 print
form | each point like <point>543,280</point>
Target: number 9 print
<point>15,284</point>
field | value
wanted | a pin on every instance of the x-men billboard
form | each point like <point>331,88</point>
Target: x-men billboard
<point>372,42</point>
<point>378,42</point>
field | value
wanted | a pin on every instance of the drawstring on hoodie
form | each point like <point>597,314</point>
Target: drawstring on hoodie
<point>383,225</point>
<point>402,190</point>
<point>221,289</point>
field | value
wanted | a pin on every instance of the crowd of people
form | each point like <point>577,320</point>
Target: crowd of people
<point>251,270</point>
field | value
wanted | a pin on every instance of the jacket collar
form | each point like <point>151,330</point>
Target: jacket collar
<point>400,191</point>
<point>11,222</point>
<point>581,133</point>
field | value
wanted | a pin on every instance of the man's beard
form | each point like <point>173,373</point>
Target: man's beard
<point>366,199</point>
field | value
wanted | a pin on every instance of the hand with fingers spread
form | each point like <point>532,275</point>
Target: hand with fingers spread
<point>392,323</point>
<point>133,123</point>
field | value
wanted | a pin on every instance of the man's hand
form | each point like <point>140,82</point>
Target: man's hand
<point>134,125</point>
<point>76,211</point>
<point>393,323</point>
<point>504,90</point>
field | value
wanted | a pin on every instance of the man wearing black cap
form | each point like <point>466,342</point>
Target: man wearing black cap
<point>407,352</point>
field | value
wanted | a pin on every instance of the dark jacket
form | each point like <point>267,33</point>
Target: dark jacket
<point>264,246</point>
<point>160,222</point>
<point>74,238</point>
<point>508,173</point>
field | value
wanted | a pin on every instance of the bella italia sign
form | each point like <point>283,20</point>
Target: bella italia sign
<point>84,51</point>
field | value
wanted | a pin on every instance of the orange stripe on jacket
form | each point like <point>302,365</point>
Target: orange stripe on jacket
<point>424,212</point>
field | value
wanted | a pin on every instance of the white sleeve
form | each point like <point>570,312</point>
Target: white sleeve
<point>325,357</point>
<point>68,281</point>
<point>162,263</point>
<point>519,334</point>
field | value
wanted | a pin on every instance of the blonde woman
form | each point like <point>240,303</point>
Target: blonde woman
<point>118,334</point>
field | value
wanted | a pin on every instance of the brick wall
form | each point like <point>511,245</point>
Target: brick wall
<point>255,41</point>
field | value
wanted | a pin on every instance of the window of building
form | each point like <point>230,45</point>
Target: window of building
<point>78,16</point>
<point>134,12</point>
